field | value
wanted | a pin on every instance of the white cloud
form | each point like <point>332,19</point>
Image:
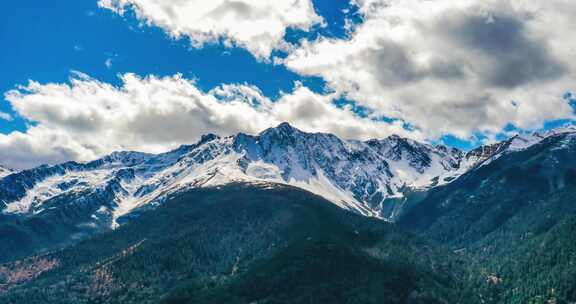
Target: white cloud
<point>108,63</point>
<point>445,67</point>
<point>257,25</point>
<point>5,116</point>
<point>88,118</point>
<point>453,67</point>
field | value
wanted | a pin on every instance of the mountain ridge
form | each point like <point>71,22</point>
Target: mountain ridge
<point>402,163</point>
<point>373,178</point>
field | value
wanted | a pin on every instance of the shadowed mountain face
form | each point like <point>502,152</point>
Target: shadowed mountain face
<point>242,244</point>
<point>515,215</point>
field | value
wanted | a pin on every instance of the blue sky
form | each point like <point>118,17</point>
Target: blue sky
<point>378,76</point>
<point>62,36</point>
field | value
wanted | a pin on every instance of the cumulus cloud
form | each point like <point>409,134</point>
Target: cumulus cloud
<point>257,25</point>
<point>87,118</point>
<point>5,116</point>
<point>453,67</point>
<point>442,67</point>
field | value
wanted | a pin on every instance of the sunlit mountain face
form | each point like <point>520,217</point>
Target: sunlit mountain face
<point>310,151</point>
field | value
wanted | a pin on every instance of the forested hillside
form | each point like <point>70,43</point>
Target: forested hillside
<point>516,217</point>
<point>244,244</point>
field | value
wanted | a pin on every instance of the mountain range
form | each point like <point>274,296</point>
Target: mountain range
<point>437,224</point>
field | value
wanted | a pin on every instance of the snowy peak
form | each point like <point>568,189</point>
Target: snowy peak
<point>556,131</point>
<point>122,159</point>
<point>358,176</point>
<point>487,153</point>
<point>5,171</point>
<point>371,177</point>
<point>418,155</point>
<point>284,127</point>
<point>484,152</point>
<point>515,143</point>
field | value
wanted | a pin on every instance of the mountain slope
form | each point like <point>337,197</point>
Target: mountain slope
<point>52,206</point>
<point>5,171</point>
<point>242,244</point>
<point>516,216</point>
<point>222,221</point>
<point>356,175</point>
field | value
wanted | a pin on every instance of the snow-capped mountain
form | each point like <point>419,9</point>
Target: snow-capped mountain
<point>487,153</point>
<point>361,176</point>
<point>5,171</point>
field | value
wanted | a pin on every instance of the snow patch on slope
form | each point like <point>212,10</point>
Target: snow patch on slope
<point>54,186</point>
<point>41,192</point>
<point>5,172</point>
